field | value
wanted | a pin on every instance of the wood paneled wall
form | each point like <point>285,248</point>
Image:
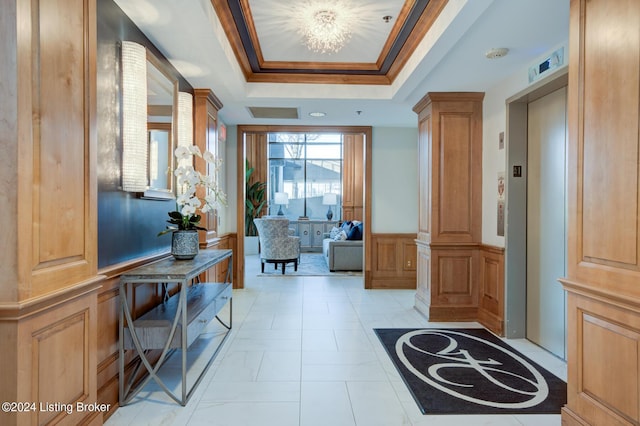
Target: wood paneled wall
<point>256,149</point>
<point>48,297</point>
<point>603,304</point>
<point>393,261</point>
<point>352,182</point>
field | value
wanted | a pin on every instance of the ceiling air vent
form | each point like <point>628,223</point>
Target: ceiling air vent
<point>273,112</point>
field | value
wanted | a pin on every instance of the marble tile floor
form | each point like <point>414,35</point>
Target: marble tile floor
<point>303,352</point>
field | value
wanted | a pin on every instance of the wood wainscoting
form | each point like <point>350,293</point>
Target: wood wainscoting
<point>49,356</point>
<point>393,261</point>
<point>454,282</point>
<point>462,282</point>
<point>603,370</point>
<point>219,272</point>
<point>491,298</point>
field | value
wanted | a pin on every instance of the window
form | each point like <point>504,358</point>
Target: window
<point>305,166</point>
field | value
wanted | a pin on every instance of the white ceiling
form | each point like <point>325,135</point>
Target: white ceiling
<point>450,58</point>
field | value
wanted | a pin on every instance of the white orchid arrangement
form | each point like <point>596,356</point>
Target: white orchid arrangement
<point>188,180</point>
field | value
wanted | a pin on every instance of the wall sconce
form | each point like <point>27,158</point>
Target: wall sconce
<point>185,122</point>
<point>134,117</point>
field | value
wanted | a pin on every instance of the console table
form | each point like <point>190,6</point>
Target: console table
<point>176,322</point>
<point>311,232</point>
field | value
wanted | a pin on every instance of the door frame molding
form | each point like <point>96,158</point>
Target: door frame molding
<point>367,178</point>
<point>516,200</point>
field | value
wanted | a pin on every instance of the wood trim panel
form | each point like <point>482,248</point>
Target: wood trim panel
<point>393,261</point>
<point>60,166</point>
<point>429,16</point>
<point>205,127</point>
<point>454,275</point>
<point>604,229</point>
<point>54,360</point>
<point>491,299</point>
<point>425,131</point>
<point>603,383</point>
<point>423,277</point>
<point>457,168</point>
<point>454,282</point>
<point>54,365</point>
<point>352,182</point>
<point>228,25</point>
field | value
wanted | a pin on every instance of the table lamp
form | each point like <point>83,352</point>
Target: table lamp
<point>329,199</point>
<point>281,198</point>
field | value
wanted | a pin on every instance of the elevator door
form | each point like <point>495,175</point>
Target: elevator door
<point>546,221</point>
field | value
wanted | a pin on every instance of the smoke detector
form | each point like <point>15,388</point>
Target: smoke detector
<point>497,52</point>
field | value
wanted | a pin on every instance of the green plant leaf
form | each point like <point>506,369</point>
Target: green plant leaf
<point>166,231</point>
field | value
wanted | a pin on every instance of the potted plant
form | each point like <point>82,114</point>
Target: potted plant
<point>254,204</point>
<point>184,221</point>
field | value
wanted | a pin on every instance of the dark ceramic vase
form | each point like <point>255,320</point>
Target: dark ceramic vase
<point>184,244</point>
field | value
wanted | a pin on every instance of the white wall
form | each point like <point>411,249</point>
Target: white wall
<point>228,216</point>
<point>493,159</point>
<point>395,180</point>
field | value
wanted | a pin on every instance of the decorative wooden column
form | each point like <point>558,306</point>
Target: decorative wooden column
<point>48,190</point>
<point>603,271</point>
<point>450,202</point>
<point>352,182</point>
<point>205,127</point>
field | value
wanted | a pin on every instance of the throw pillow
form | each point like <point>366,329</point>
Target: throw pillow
<point>346,226</point>
<point>334,231</point>
<point>355,233</point>
<point>341,236</point>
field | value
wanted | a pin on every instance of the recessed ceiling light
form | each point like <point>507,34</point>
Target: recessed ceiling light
<point>496,53</point>
<point>317,114</point>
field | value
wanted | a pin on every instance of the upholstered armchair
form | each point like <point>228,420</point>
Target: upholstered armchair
<point>276,244</point>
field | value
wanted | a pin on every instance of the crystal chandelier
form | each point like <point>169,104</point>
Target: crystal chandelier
<point>325,25</point>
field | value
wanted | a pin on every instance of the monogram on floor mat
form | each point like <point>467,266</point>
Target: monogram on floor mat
<point>470,371</point>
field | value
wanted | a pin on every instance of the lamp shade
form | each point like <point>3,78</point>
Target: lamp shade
<point>281,198</point>
<point>134,117</point>
<point>330,199</point>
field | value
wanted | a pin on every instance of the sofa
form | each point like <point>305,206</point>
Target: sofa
<point>344,253</point>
